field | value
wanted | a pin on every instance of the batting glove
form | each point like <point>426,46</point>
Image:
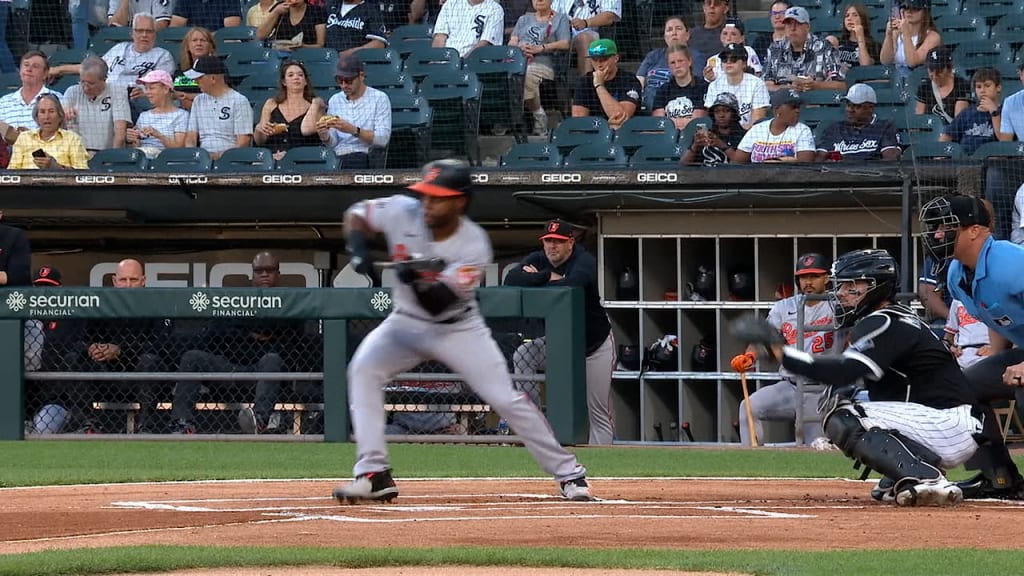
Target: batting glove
<point>743,362</point>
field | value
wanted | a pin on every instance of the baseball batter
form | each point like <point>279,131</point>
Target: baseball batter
<point>921,419</point>
<point>435,317</point>
<point>778,401</point>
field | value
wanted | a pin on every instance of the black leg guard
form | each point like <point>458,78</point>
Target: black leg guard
<point>886,451</point>
<point>998,477</point>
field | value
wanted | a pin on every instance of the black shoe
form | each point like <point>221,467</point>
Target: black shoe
<point>980,486</point>
<point>371,486</point>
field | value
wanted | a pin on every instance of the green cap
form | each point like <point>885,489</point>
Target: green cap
<point>602,48</point>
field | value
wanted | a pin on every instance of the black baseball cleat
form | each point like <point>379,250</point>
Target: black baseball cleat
<point>980,487</point>
<point>379,486</point>
<point>883,491</point>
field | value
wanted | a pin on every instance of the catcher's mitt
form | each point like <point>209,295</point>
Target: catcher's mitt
<point>758,333</point>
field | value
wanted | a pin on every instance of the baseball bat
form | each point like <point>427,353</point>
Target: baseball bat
<point>750,414</point>
<point>686,429</point>
<point>418,264</point>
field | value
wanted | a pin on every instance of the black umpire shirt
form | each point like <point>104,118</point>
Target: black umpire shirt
<point>15,256</point>
<point>579,270</point>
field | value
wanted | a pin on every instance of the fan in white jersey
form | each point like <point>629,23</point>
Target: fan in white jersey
<point>435,317</point>
<point>778,401</point>
<point>586,17</point>
<point>750,91</point>
<point>967,337</point>
<point>469,24</point>
<point>221,118</point>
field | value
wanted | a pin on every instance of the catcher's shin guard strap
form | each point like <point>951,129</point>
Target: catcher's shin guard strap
<point>886,451</point>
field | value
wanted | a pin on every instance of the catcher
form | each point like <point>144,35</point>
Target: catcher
<point>921,419</point>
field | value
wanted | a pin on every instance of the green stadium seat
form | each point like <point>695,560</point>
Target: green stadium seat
<point>234,35</point>
<point>390,81</point>
<point>406,46</point>
<point>182,160</point>
<point>411,121</point>
<point>596,155</point>
<point>923,127</point>
<point>999,150</point>
<point>245,160</point>
<point>686,136</point>
<point>531,155</point>
<point>662,155</point>
<point>380,60</point>
<point>308,159</point>
<point>64,82</point>
<point>260,85</point>
<point>454,97</point>
<point>1009,28</point>
<point>643,130</point>
<point>427,60</point>
<point>105,38</point>
<point>321,75</point>
<point>173,34</point>
<point>923,150</point>
<point>309,55</point>
<point>412,31</point>
<point>67,56</point>
<point>119,160</point>
<point>818,115</point>
<point>823,98</point>
<point>502,72</point>
<point>877,76</point>
<point>990,8</point>
<point>245,60</point>
<point>572,132</point>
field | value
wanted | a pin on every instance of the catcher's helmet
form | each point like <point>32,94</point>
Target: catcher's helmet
<point>875,266</point>
<point>943,217</point>
<point>444,178</point>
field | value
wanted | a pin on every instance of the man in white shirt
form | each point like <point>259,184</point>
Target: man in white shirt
<point>469,24</point>
<point>16,107</point>
<point>585,18</point>
<point>221,118</point>
<point>97,110</point>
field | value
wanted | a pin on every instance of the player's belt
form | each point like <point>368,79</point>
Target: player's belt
<point>973,345</point>
<point>451,320</point>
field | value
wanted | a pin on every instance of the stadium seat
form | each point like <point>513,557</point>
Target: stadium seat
<point>759,25</point>
<point>999,150</point>
<point>531,155</point>
<point>380,59</point>
<point>309,55</point>
<point>877,76</point>
<point>406,46</point>
<point>1010,29</point>
<point>502,71</point>
<point>119,160</point>
<point>390,81</point>
<point>1007,71</point>
<point>955,29</point>
<point>412,31</point>
<point>308,159</point>
<point>411,120</point>
<point>64,82</point>
<point>945,10</point>
<point>245,160</point>
<point>234,35</point>
<point>596,155</point>
<point>990,8</point>
<point>572,132</point>
<point>822,98</point>
<point>426,60</point>
<point>105,38</point>
<point>264,84</point>
<point>954,38</point>
<point>662,155</point>
<point>686,136</point>
<point>922,150</point>
<point>923,127</point>
<point>643,130</point>
<point>825,26</point>
<point>67,56</point>
<point>173,34</point>
<point>182,160</point>
<point>10,82</point>
<point>454,97</point>
<point>818,115</point>
<point>245,60</point>
<point>321,75</point>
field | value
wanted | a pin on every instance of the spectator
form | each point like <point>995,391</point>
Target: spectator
<point>943,93</point>
<point>707,39</point>
<point>783,138</point>
<point>855,45</point>
<point>162,126</point>
<point>862,136</point>
<point>803,60</point>
<point>1012,125</point>
<point>563,262</point>
<point>15,256</point>
<point>979,123</point>
<point>682,97</point>
<point>604,92</point>
<point>122,12</point>
<point>198,42</point>
<point>654,71</point>
<point>259,12</point>
<point>49,147</point>
<point>966,337</point>
<point>931,290</point>
<point>294,24</point>
<point>210,14</point>
<point>910,36</point>
<point>1016,222</point>
<point>257,345</point>
<point>280,125</point>
<point>776,13</point>
<point>541,35</point>
<point>732,33</point>
<point>17,109</point>
<point>354,25</point>
<point>356,119</point>
<point>7,65</point>
<point>221,118</point>
<point>717,145</point>
<point>469,24</point>
<point>750,91</point>
<point>35,330</point>
<point>586,18</point>
<point>96,110</point>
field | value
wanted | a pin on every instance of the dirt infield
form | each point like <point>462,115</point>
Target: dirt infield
<point>635,513</point>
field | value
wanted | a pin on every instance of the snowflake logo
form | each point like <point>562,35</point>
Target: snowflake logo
<point>380,301</point>
<point>199,301</point>
<point>16,301</point>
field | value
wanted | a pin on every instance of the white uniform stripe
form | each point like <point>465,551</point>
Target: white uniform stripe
<point>949,432</point>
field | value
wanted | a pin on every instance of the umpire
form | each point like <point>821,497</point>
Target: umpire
<point>562,262</point>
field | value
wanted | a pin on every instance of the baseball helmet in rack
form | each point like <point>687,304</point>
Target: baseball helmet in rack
<point>741,284</point>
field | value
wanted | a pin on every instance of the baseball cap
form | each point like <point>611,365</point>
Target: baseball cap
<point>786,96</point>
<point>812,263</point>
<point>206,65</point>
<point>444,178</point>
<point>727,99</point>
<point>736,23</point>
<point>922,4</point>
<point>969,210</point>
<point>557,229</point>
<point>602,48</point>
<point>861,93</point>
<point>349,66</point>
<point>797,13</point>
<point>47,276</point>
<point>157,77</point>
<point>738,50</point>
<point>940,57</point>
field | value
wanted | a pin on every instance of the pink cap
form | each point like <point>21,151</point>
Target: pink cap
<point>157,77</point>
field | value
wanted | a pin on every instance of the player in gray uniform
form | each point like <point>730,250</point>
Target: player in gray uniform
<point>778,401</point>
<point>435,317</point>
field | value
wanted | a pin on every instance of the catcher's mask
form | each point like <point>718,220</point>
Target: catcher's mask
<point>943,217</point>
<point>875,267</point>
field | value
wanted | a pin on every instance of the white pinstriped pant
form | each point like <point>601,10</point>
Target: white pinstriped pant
<point>949,433</point>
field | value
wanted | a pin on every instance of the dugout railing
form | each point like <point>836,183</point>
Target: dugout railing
<point>341,313</point>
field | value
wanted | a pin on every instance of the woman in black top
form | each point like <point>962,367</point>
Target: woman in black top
<point>280,125</point>
<point>287,19</point>
<point>855,45</point>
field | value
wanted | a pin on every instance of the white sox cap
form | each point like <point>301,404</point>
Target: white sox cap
<point>861,93</point>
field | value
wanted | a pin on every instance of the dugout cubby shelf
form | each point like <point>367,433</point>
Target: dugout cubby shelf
<point>703,397</point>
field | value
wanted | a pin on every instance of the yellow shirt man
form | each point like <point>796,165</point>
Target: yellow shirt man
<point>65,147</point>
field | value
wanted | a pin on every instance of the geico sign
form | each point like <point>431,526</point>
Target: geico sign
<point>94,179</point>
<point>559,178</point>
<point>9,179</point>
<point>373,179</point>
<point>479,178</point>
<point>187,179</point>
<point>657,177</point>
<point>282,179</point>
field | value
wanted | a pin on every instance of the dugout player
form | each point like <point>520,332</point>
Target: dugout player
<point>920,420</point>
<point>778,401</point>
<point>435,317</point>
<point>985,275</point>
<point>563,262</point>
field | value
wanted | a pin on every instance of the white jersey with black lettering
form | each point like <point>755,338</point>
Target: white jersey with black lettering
<point>783,316</point>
